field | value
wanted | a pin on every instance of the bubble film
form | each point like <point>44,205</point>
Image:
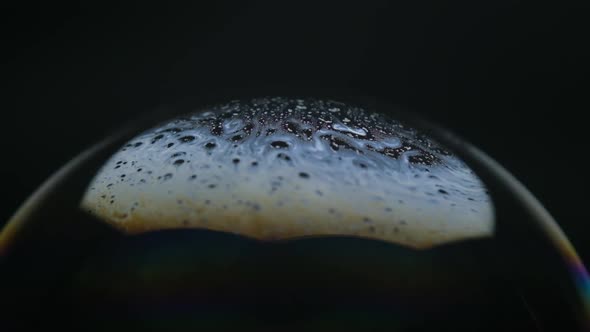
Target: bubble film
<point>277,168</point>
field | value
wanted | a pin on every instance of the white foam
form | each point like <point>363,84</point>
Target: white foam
<point>278,168</point>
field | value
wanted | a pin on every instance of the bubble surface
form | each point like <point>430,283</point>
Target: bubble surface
<point>246,166</point>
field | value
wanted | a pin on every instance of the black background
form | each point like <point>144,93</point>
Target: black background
<point>510,77</point>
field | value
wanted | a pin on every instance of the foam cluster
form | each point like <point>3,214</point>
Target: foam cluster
<point>277,168</point>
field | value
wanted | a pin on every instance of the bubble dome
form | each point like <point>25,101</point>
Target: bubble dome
<point>287,214</point>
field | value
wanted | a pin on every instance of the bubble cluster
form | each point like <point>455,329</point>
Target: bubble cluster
<point>277,168</point>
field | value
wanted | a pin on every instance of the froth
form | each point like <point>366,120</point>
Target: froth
<point>276,168</point>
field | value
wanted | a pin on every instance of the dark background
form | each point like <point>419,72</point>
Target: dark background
<point>508,76</point>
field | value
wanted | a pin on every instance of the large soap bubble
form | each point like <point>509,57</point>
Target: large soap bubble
<point>286,214</point>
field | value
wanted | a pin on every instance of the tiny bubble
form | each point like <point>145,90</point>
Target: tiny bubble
<point>279,145</point>
<point>186,139</point>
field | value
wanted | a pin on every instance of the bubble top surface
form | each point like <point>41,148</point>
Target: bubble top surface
<point>278,168</point>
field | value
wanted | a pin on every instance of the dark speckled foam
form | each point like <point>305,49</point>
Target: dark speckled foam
<point>276,168</point>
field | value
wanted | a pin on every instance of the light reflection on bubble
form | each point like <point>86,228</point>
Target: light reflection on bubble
<point>344,170</point>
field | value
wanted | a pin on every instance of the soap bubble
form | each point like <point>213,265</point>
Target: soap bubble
<point>290,214</point>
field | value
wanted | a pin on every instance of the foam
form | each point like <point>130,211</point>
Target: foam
<point>276,168</point>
